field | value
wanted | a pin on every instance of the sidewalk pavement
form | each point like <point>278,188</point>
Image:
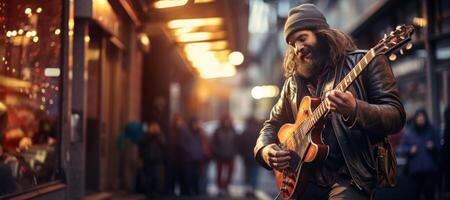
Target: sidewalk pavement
<point>265,190</point>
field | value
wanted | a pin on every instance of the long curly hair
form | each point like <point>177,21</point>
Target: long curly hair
<point>339,44</point>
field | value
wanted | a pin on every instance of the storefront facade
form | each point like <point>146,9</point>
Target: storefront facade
<point>422,72</point>
<point>65,94</point>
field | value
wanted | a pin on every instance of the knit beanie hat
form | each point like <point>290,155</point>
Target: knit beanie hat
<point>304,16</point>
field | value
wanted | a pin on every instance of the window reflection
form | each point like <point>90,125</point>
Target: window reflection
<point>29,92</point>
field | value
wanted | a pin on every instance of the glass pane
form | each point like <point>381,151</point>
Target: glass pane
<point>413,94</point>
<point>30,77</point>
<point>443,16</point>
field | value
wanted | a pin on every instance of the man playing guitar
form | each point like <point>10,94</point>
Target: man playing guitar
<point>318,57</point>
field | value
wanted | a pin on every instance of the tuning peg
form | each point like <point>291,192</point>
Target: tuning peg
<point>401,52</point>
<point>409,46</point>
<point>398,28</point>
<point>392,57</point>
<point>385,36</point>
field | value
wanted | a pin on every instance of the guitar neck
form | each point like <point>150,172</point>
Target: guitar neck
<point>322,109</point>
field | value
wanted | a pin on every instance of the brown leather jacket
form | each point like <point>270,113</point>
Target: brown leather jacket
<point>379,112</point>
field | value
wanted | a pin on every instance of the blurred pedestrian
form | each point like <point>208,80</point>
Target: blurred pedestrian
<point>445,158</point>
<point>192,158</point>
<point>224,149</point>
<point>7,183</point>
<point>151,152</point>
<point>246,142</point>
<point>421,146</point>
<point>175,170</point>
<point>197,129</point>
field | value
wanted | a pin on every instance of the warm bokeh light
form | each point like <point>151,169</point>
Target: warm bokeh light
<point>206,46</point>
<point>143,38</point>
<point>39,10</point>
<point>28,11</point>
<point>13,83</point>
<point>180,23</point>
<point>57,31</point>
<point>220,56</point>
<point>419,21</point>
<point>236,58</point>
<point>181,31</point>
<point>218,71</point>
<point>200,36</point>
<point>169,3</point>
<point>265,91</point>
<point>101,2</point>
<point>203,1</point>
<point>71,24</point>
<point>87,39</point>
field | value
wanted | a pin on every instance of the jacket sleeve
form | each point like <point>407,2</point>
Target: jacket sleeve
<point>280,114</point>
<point>383,112</point>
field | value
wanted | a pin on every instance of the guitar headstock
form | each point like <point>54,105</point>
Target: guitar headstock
<point>396,40</point>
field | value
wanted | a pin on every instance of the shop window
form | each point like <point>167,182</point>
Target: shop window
<point>443,16</point>
<point>413,94</point>
<point>30,93</point>
<point>443,50</point>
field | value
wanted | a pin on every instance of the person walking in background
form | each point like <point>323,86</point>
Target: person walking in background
<point>192,158</point>
<point>445,158</point>
<point>198,131</point>
<point>245,146</point>
<point>174,170</point>
<point>7,181</point>
<point>421,146</point>
<point>151,152</point>
<point>224,150</point>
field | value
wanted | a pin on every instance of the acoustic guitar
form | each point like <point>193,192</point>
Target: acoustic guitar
<point>303,138</point>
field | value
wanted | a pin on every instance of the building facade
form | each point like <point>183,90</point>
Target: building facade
<point>70,80</point>
<point>422,72</point>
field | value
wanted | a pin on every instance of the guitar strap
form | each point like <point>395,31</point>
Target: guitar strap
<point>328,86</point>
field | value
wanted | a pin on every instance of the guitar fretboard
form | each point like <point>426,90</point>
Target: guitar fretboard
<point>322,109</point>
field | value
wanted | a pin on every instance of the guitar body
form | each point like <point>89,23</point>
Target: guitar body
<point>306,150</point>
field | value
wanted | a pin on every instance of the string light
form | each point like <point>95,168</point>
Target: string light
<point>28,11</point>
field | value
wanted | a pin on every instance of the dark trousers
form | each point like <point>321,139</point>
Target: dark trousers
<point>224,179</point>
<point>341,190</point>
<point>203,182</point>
<point>251,174</point>
<point>190,182</point>
<point>7,182</point>
<point>153,179</point>
<point>173,176</point>
<point>423,183</point>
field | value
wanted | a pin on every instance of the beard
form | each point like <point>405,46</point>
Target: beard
<point>312,60</point>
